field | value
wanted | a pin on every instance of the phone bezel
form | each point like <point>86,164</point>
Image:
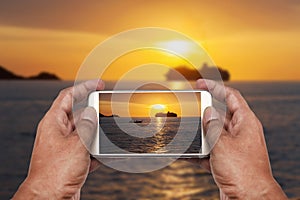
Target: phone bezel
<point>93,101</point>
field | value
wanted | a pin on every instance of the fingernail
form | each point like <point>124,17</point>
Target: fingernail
<point>101,84</point>
<point>210,114</point>
<point>199,83</point>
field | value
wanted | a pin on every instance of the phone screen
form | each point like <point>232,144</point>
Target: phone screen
<point>150,123</point>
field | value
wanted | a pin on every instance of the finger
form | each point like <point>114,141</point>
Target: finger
<point>203,162</point>
<point>82,90</point>
<point>234,100</point>
<point>213,127</point>
<point>77,195</point>
<point>95,164</point>
<point>76,116</point>
<point>226,117</point>
<point>223,196</point>
<point>86,127</point>
<point>78,93</point>
<point>215,88</point>
<point>227,120</point>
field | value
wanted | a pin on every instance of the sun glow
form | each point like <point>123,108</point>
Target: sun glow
<point>156,108</point>
<point>180,47</point>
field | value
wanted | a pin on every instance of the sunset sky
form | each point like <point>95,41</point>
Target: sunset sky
<point>254,40</point>
<point>149,104</point>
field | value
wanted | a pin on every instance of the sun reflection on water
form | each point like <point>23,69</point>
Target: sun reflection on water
<point>160,137</point>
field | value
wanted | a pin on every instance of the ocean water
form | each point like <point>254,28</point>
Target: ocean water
<point>23,103</point>
<point>172,135</point>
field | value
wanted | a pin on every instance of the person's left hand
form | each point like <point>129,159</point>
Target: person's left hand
<point>60,162</point>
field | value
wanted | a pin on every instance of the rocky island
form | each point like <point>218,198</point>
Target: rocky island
<point>168,114</point>
<point>181,73</point>
<point>113,115</point>
<point>8,75</point>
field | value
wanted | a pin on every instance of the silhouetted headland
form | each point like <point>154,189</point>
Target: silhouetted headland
<point>168,114</point>
<point>8,75</point>
<point>101,115</point>
<point>207,72</point>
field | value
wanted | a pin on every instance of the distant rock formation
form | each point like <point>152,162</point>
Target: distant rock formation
<point>5,74</point>
<point>207,72</point>
<point>8,75</point>
<point>44,76</point>
<point>101,115</point>
<point>214,73</point>
<point>168,114</point>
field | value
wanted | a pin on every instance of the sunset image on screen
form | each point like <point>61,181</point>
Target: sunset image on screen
<point>150,104</point>
<point>146,122</point>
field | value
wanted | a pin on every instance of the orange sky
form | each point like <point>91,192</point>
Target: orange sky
<point>253,40</point>
<point>144,104</point>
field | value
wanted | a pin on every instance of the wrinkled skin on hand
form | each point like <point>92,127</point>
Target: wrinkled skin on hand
<point>60,162</point>
<point>239,161</point>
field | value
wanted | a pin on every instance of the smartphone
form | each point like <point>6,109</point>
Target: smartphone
<point>150,123</point>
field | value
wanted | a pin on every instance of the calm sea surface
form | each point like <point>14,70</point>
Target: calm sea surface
<point>172,135</point>
<point>23,103</point>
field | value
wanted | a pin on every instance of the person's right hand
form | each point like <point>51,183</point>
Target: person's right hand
<point>239,161</point>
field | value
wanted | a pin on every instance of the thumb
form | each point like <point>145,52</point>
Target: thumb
<point>213,127</point>
<point>86,127</point>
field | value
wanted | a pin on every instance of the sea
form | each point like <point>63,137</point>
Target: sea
<point>23,104</point>
<point>155,135</point>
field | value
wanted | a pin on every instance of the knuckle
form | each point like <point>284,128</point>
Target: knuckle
<point>65,96</point>
<point>65,92</point>
<point>259,124</point>
<point>234,92</point>
<point>40,125</point>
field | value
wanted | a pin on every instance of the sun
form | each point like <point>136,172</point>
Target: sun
<point>156,108</point>
<point>180,47</point>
